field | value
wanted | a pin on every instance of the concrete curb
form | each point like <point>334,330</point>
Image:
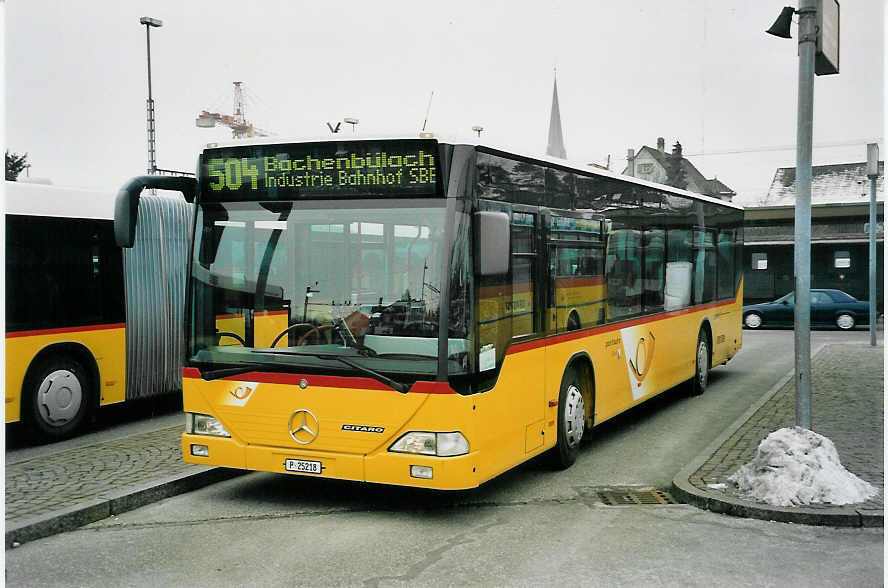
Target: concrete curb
<point>838,516</point>
<point>102,507</point>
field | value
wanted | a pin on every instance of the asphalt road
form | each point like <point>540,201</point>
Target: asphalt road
<point>530,526</point>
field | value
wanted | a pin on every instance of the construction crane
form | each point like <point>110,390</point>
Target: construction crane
<point>237,122</point>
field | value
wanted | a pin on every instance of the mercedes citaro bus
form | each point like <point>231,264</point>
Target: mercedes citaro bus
<point>431,313</point>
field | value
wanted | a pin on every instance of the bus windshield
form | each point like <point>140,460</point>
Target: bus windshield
<point>291,283</point>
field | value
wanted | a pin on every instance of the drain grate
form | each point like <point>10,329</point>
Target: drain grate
<point>633,497</point>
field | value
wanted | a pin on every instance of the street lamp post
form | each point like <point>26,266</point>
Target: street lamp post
<point>872,172</point>
<point>804,139</point>
<point>152,161</point>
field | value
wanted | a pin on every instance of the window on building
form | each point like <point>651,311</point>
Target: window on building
<point>842,259</point>
<point>645,168</point>
<point>759,261</point>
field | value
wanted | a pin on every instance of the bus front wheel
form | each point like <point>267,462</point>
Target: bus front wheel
<point>58,394</point>
<point>571,421</point>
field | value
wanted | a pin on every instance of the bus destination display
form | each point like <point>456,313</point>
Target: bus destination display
<point>321,170</point>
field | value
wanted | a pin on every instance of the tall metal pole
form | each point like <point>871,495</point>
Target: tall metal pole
<point>807,44</point>
<point>872,172</point>
<point>152,162</point>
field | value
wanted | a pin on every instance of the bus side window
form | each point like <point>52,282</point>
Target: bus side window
<point>623,273</point>
<point>679,270</point>
<point>654,254</point>
<point>726,258</point>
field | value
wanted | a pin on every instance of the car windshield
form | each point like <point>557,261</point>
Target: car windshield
<point>294,283</point>
<point>788,299</point>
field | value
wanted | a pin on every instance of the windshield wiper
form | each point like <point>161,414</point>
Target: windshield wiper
<point>398,355</point>
<point>402,388</point>
<point>226,372</point>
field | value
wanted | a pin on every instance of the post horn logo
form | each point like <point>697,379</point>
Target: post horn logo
<point>644,357</point>
<point>241,392</point>
<point>303,426</point>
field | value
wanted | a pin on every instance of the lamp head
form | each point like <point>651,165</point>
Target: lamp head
<point>151,22</point>
<point>780,28</point>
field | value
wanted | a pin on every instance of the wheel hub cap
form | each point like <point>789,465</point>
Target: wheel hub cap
<point>574,416</point>
<point>59,397</point>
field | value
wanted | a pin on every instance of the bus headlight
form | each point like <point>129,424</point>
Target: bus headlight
<point>426,443</point>
<point>204,424</point>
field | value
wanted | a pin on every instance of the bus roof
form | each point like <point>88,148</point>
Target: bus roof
<point>58,201</point>
<point>476,142</point>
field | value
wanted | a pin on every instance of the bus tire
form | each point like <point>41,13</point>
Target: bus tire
<point>702,364</point>
<point>571,423</point>
<point>58,395</point>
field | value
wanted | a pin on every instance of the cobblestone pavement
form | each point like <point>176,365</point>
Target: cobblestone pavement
<point>847,388</point>
<point>56,482</point>
<point>62,491</point>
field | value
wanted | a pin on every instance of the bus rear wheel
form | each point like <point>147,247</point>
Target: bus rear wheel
<point>58,396</point>
<point>571,424</point>
<point>702,363</point>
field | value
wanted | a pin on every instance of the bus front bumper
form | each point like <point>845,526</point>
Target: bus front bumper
<point>384,467</point>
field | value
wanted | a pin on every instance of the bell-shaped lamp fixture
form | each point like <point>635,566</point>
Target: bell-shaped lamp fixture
<point>780,28</point>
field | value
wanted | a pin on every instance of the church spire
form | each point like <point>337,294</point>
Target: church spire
<point>556,139</point>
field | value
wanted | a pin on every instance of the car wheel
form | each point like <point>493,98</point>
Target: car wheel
<point>702,362</point>
<point>58,396</point>
<point>845,321</point>
<point>571,421</point>
<point>753,320</point>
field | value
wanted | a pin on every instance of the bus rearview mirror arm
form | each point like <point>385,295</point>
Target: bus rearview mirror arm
<point>126,205</point>
<point>492,233</point>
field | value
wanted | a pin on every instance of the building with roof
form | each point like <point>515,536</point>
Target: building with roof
<point>673,169</point>
<point>840,196</point>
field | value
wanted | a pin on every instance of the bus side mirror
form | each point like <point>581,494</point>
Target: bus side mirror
<point>126,205</point>
<point>492,240</point>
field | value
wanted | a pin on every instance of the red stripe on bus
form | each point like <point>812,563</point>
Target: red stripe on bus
<point>65,330</point>
<point>537,343</point>
<point>419,387</point>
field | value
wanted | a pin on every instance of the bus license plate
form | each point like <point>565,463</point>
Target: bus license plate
<point>303,466</point>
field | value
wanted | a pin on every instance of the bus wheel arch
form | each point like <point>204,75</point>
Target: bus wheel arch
<point>576,393</point>
<point>66,369</point>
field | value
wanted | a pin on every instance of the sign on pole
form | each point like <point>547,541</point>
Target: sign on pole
<point>826,57</point>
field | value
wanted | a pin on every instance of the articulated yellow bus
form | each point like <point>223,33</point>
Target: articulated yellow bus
<point>88,324</point>
<point>431,313</point>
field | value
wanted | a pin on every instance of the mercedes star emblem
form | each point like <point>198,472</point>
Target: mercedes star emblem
<point>303,426</point>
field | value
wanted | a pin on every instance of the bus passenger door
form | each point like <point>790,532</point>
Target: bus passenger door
<point>510,319</point>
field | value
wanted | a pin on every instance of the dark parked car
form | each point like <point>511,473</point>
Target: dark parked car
<point>829,308</point>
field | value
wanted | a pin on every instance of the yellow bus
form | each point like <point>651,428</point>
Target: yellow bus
<point>431,313</point>
<point>88,324</point>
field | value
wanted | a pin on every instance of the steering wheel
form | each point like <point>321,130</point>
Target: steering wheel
<point>290,328</point>
<point>238,338</point>
<point>316,331</point>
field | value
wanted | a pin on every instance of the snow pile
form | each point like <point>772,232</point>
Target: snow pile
<point>795,466</point>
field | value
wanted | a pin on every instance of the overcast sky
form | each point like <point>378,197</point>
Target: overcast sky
<point>700,72</point>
